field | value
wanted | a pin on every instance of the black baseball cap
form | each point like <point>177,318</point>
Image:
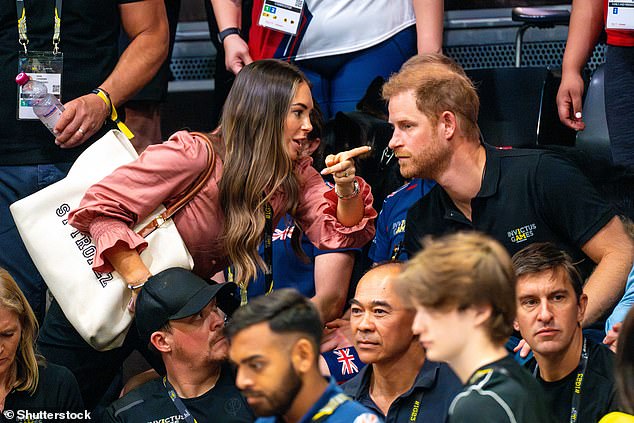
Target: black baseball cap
<point>177,293</point>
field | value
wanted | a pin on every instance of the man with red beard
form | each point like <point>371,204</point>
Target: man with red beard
<point>275,346</point>
<point>575,373</point>
<point>182,318</point>
<point>516,196</point>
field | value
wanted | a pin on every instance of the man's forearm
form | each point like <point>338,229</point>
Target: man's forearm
<point>613,251</point>
<point>228,13</point>
<point>606,285</point>
<point>586,24</point>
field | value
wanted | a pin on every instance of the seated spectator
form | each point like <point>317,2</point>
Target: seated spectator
<point>398,382</point>
<point>624,373</point>
<point>275,346</point>
<point>516,196</point>
<point>574,372</point>
<point>390,225</point>
<point>182,318</point>
<point>463,288</point>
<point>27,382</point>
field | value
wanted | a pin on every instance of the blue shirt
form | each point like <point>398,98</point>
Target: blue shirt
<point>390,226</point>
<point>289,271</point>
<point>624,305</point>
<point>348,412</point>
<point>427,400</point>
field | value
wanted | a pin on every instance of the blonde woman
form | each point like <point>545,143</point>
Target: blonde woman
<point>265,124</point>
<point>26,381</point>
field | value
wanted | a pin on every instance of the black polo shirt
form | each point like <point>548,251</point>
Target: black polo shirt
<point>526,196</point>
<point>150,403</point>
<point>426,401</point>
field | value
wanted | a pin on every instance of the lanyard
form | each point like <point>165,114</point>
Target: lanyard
<point>178,402</point>
<point>416,406</point>
<point>268,248</point>
<point>327,410</point>
<point>57,25</point>
<point>576,388</point>
<point>268,256</point>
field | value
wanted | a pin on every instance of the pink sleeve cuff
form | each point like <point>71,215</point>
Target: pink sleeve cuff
<point>348,236</point>
<point>106,232</point>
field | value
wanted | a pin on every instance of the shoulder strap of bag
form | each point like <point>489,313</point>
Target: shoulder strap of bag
<point>189,193</point>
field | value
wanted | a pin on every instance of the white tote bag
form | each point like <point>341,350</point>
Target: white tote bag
<point>94,303</point>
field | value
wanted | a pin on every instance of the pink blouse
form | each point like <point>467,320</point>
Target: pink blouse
<point>111,207</point>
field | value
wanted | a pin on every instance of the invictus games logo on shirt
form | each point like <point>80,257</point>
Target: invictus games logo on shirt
<point>521,234</point>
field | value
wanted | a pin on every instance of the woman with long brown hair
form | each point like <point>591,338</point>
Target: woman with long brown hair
<point>264,126</point>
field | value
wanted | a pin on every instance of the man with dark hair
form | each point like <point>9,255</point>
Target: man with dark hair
<point>182,317</point>
<point>575,372</point>
<point>275,345</point>
<point>398,382</point>
<point>517,196</point>
<point>463,288</point>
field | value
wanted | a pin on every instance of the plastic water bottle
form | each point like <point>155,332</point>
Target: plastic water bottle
<point>45,106</point>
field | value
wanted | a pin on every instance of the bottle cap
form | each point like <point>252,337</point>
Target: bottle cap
<point>22,78</point>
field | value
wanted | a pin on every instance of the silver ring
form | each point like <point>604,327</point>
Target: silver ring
<point>81,131</point>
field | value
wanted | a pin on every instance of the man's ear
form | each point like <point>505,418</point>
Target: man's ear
<point>516,325</point>
<point>160,341</point>
<point>583,303</point>
<point>448,124</point>
<point>481,313</point>
<point>303,355</point>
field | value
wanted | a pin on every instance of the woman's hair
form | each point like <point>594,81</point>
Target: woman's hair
<point>256,161</point>
<point>26,361</point>
<point>624,364</point>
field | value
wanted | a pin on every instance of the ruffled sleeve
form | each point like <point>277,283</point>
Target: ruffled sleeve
<point>317,212</point>
<point>117,203</point>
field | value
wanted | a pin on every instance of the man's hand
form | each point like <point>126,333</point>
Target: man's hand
<point>569,101</point>
<point>337,334</point>
<point>612,337</point>
<point>82,117</point>
<point>236,53</point>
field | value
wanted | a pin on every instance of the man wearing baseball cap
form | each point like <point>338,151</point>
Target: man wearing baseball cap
<point>182,318</point>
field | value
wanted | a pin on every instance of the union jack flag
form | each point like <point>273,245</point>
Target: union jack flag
<point>280,234</point>
<point>347,361</point>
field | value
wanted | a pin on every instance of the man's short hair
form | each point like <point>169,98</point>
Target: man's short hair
<point>285,310</point>
<point>545,256</point>
<point>439,85</point>
<point>462,270</point>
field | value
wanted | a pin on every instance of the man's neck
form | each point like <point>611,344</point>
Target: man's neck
<point>313,387</point>
<point>556,366</point>
<point>479,353</point>
<point>192,383</point>
<point>392,378</point>
<point>463,177</point>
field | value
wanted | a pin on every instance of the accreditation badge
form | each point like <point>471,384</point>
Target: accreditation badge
<point>43,66</point>
<point>620,15</point>
<point>281,15</point>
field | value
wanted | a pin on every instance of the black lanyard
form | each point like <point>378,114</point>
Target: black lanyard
<point>178,402</point>
<point>268,248</point>
<point>57,25</point>
<point>576,387</point>
<point>268,256</point>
